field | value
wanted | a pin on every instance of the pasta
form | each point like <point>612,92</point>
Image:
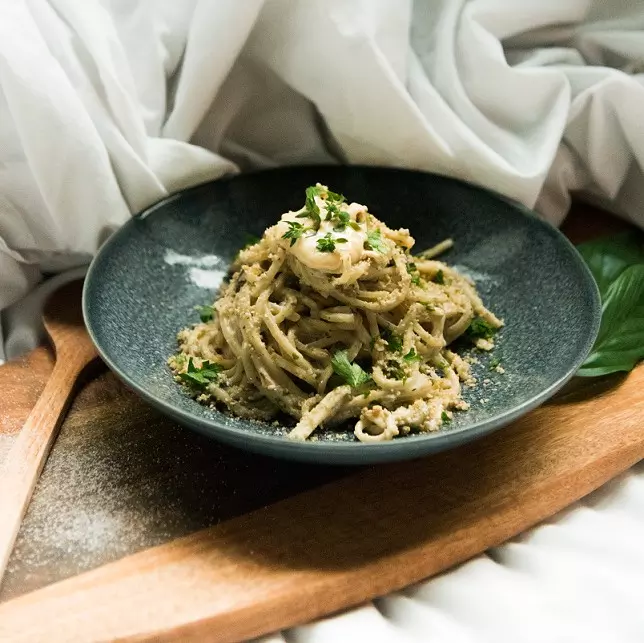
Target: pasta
<point>328,318</point>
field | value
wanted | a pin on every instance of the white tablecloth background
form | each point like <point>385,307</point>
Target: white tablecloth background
<point>107,106</point>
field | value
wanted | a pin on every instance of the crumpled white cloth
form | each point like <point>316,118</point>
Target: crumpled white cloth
<point>109,105</point>
<point>575,579</point>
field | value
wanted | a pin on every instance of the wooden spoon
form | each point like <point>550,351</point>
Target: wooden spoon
<point>74,353</point>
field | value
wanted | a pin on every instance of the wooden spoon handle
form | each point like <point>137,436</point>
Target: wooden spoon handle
<point>29,452</point>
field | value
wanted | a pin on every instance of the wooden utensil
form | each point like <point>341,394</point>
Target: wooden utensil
<point>63,322</point>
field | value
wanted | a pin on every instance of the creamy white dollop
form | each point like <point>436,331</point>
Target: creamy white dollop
<point>305,248</point>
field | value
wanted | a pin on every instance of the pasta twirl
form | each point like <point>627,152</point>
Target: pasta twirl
<point>330,317</point>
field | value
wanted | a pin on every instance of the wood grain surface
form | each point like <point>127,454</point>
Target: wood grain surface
<point>353,536</point>
<point>63,322</point>
<point>23,380</point>
<point>122,478</point>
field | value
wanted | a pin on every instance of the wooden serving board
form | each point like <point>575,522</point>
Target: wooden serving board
<point>141,530</point>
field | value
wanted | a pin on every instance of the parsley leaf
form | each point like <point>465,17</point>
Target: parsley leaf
<point>445,417</point>
<point>341,221</point>
<point>394,370</point>
<point>394,343</point>
<point>312,208</point>
<point>294,232</point>
<point>327,243</point>
<point>206,313</point>
<point>351,373</point>
<point>202,376</point>
<point>338,217</point>
<point>412,356</point>
<point>480,329</point>
<point>494,363</point>
<point>375,242</point>
<point>439,278</point>
<point>334,196</point>
<point>331,212</point>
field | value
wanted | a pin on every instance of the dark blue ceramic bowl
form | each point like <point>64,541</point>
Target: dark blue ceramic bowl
<point>146,280</point>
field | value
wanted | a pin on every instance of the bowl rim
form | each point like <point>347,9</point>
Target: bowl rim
<point>344,451</point>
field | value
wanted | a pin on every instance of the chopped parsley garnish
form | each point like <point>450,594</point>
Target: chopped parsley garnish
<point>394,370</point>
<point>480,329</point>
<point>311,206</point>
<point>439,278</point>
<point>327,242</point>
<point>412,356</point>
<point>202,376</point>
<point>445,417</point>
<point>334,196</point>
<point>375,242</point>
<point>206,313</point>
<point>341,221</point>
<point>352,374</point>
<point>294,232</point>
<point>394,343</point>
<point>339,218</point>
<point>494,363</point>
<point>413,271</point>
<point>331,211</point>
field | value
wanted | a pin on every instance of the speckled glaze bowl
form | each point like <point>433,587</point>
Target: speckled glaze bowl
<point>146,280</point>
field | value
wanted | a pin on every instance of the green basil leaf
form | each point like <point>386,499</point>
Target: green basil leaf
<point>620,342</point>
<point>608,257</point>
